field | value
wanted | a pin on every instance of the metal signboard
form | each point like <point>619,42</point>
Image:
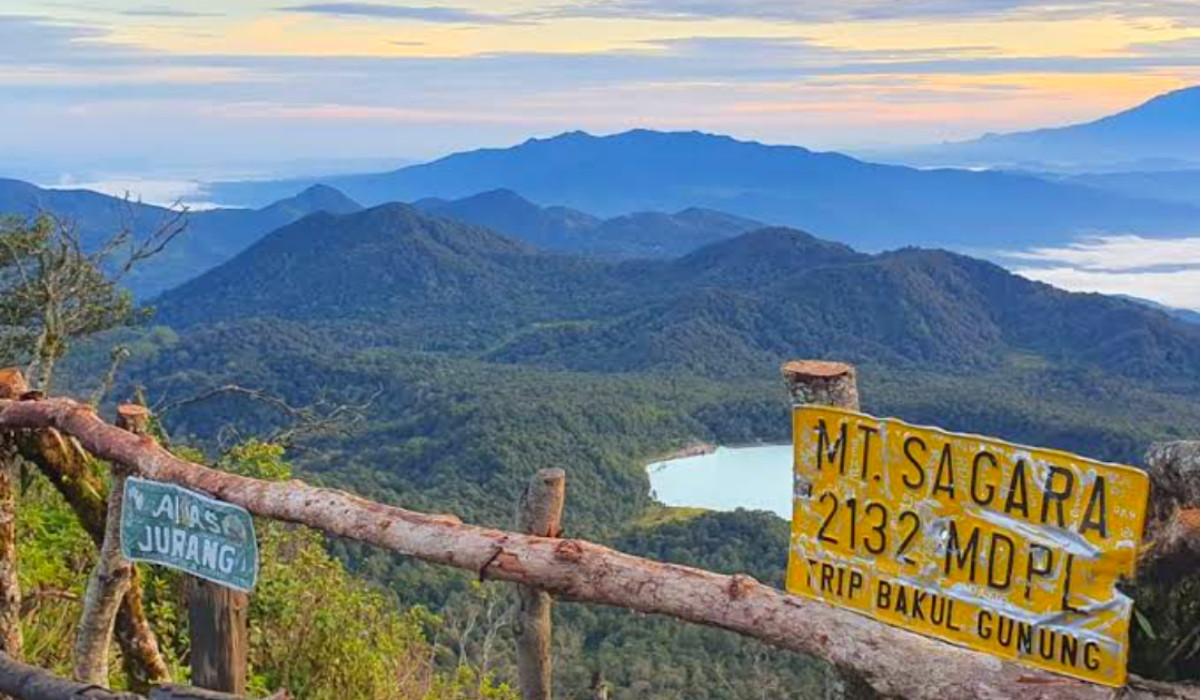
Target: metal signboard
<point>172,526</point>
<point>1010,550</point>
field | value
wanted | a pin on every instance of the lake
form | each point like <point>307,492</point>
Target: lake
<point>757,478</point>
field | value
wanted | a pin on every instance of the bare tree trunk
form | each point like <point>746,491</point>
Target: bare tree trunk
<point>67,467</point>
<point>540,514</point>
<point>10,589</point>
<point>12,385</point>
<point>112,576</point>
<point>106,589</point>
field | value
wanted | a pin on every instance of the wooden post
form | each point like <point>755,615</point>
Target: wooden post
<point>12,386</point>
<point>822,383</point>
<point>217,615</point>
<point>220,636</point>
<point>113,575</point>
<point>540,514</point>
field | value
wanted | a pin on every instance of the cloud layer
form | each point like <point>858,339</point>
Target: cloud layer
<point>445,15</point>
<point>1166,271</point>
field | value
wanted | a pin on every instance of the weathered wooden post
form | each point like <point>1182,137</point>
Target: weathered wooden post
<point>540,514</point>
<point>113,574</point>
<point>217,616</point>
<point>220,636</point>
<point>823,383</point>
<point>12,386</point>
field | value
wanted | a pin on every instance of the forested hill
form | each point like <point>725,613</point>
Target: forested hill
<point>737,307</point>
<point>210,238</point>
<point>641,234</point>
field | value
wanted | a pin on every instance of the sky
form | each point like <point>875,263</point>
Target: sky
<point>114,91</point>
<point>129,85</point>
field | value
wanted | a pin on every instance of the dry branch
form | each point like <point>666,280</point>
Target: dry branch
<point>895,662</point>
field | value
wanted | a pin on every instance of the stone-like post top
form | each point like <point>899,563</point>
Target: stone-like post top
<point>821,382</point>
<point>133,417</point>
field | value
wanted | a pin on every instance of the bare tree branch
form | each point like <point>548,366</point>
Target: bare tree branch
<point>319,419</point>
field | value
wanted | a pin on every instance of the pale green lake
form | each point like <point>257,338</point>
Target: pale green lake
<point>756,478</point>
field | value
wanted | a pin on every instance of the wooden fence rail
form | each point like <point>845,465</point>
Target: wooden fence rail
<point>20,680</point>
<point>896,663</point>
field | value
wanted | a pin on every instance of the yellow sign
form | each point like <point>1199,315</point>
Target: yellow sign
<point>1005,549</point>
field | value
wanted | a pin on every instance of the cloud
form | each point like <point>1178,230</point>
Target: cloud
<point>164,11</point>
<point>441,15</point>
<point>1163,270</point>
<point>1120,254</point>
<point>873,10</point>
<point>1179,289</point>
<point>815,10</point>
<point>34,40</point>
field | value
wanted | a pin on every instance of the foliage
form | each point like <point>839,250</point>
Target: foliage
<point>315,628</point>
<point>55,557</point>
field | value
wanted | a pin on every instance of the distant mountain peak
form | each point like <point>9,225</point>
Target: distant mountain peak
<point>321,197</point>
<point>1165,127</point>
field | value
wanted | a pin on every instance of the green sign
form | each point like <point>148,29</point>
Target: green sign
<point>172,526</point>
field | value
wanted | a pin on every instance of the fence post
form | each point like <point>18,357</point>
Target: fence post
<point>822,383</point>
<point>113,574</point>
<point>217,616</point>
<point>12,386</point>
<point>539,513</point>
<point>220,636</point>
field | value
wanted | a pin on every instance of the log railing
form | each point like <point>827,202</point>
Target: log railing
<point>25,682</point>
<point>892,661</point>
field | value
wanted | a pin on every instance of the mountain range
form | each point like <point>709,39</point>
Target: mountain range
<point>210,237</point>
<point>736,306</point>
<point>865,204</point>
<point>641,234</point>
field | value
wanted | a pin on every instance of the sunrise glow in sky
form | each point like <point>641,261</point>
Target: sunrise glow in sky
<point>134,84</point>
